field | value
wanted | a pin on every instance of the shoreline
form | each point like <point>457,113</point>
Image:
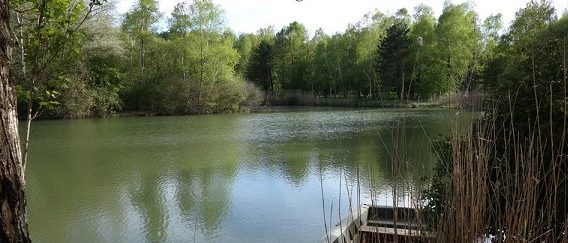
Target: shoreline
<point>270,108</point>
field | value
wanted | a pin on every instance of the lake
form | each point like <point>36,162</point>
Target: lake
<point>222,178</point>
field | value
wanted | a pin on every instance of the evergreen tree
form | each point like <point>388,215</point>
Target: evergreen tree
<point>260,69</point>
<point>393,65</point>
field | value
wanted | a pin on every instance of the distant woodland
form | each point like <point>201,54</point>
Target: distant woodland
<point>75,60</point>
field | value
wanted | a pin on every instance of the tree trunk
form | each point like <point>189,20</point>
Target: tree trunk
<point>13,225</point>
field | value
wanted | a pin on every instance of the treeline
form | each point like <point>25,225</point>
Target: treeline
<point>399,56</point>
<point>77,60</point>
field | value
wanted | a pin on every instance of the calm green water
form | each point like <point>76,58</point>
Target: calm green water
<point>217,178</point>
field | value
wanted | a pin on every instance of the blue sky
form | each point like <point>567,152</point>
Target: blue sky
<point>244,16</point>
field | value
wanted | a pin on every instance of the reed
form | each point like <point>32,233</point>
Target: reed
<point>501,184</point>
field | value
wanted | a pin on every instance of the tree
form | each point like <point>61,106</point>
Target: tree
<point>260,68</point>
<point>180,22</point>
<point>188,69</point>
<point>289,57</point>
<point>322,74</point>
<point>492,25</point>
<point>207,18</point>
<point>13,222</point>
<point>103,59</point>
<point>456,49</point>
<point>245,45</point>
<point>392,66</point>
<point>138,23</point>
<point>526,66</point>
<point>372,31</point>
<point>342,59</point>
<point>422,49</point>
<point>49,35</point>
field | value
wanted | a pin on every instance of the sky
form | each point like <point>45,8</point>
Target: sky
<point>247,16</point>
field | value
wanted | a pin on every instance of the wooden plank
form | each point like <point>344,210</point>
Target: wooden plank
<point>390,224</point>
<point>399,232</point>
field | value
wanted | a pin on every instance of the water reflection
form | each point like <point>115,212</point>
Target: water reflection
<point>228,178</point>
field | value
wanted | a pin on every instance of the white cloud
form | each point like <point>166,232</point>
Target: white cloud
<point>331,15</point>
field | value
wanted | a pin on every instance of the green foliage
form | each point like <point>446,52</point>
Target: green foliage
<point>245,45</point>
<point>180,22</point>
<point>457,38</point>
<point>191,69</point>
<point>421,52</point>
<point>439,56</point>
<point>290,58</point>
<point>527,68</point>
<point>104,62</point>
<point>139,21</point>
<point>51,49</point>
<point>393,66</point>
<point>181,70</point>
<point>260,69</point>
<point>434,197</point>
<point>322,64</point>
<point>371,32</point>
<point>77,101</point>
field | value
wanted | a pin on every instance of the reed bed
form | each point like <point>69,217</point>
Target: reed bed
<point>494,183</point>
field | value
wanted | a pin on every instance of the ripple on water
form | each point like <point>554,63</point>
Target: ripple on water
<point>221,178</point>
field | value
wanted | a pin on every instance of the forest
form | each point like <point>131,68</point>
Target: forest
<point>79,60</point>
